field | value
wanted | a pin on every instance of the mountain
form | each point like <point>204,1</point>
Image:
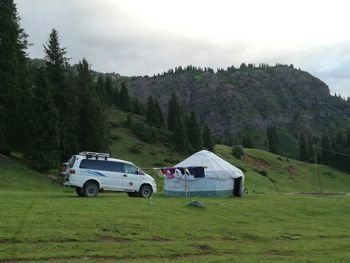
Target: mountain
<point>237,102</point>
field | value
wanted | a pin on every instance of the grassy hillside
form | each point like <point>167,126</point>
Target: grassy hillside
<point>267,172</point>
<point>17,176</point>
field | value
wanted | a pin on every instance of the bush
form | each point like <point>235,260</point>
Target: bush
<point>135,149</point>
<point>144,132</point>
<point>237,152</point>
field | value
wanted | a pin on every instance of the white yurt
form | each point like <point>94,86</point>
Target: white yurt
<point>220,178</point>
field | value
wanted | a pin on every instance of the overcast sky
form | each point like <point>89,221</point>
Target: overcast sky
<point>146,37</point>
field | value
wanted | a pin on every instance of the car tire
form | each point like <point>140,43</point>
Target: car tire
<point>79,191</point>
<point>145,191</point>
<point>90,189</point>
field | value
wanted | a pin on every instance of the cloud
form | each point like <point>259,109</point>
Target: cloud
<point>115,38</point>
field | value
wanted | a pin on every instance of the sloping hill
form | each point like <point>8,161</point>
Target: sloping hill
<point>16,176</point>
<point>267,172</point>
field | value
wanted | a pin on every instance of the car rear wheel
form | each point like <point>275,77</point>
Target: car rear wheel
<point>90,189</point>
<point>79,191</point>
<point>145,191</point>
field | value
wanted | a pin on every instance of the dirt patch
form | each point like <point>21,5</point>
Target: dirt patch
<point>112,239</point>
<point>256,161</point>
<point>158,239</point>
<point>204,247</point>
<point>292,170</point>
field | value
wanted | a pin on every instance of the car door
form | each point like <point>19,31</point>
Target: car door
<point>132,177</point>
<point>113,179</point>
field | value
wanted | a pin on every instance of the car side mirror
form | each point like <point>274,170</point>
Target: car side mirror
<point>137,171</point>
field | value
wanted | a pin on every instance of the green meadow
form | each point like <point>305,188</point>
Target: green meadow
<point>42,221</point>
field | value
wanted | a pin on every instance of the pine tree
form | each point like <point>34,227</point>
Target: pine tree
<point>56,62</point>
<point>159,114</point>
<point>93,130</point>
<point>125,101</point>
<point>303,153</point>
<point>44,147</point>
<point>100,89</point>
<point>325,145</point>
<point>63,91</point>
<point>13,88</point>
<point>109,90</point>
<point>173,112</point>
<point>247,142</point>
<point>207,139</point>
<point>182,143</point>
<point>137,106</point>
<point>116,97</point>
<point>194,132</point>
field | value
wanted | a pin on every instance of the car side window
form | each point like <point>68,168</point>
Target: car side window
<point>131,169</point>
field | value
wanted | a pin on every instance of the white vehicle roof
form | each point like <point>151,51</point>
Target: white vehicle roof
<point>99,156</point>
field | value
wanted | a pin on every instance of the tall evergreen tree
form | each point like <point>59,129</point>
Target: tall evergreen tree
<point>100,89</point>
<point>272,137</point>
<point>194,132</point>
<point>63,92</point>
<point>247,142</point>
<point>208,142</point>
<point>56,62</point>
<point>44,147</point>
<point>125,100</point>
<point>13,89</point>
<point>159,113</point>
<point>182,143</point>
<point>93,130</point>
<point>174,112</point>
<point>109,90</point>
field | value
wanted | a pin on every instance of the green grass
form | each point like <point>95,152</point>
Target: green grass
<point>41,221</point>
<point>61,227</point>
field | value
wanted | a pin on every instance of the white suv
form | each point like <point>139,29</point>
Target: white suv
<point>91,172</point>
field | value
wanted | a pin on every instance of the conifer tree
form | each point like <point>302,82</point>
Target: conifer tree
<point>207,139</point>
<point>100,89</point>
<point>116,97</point>
<point>159,113</point>
<point>137,106</point>
<point>182,143</point>
<point>173,112</point>
<point>109,91</point>
<point>125,101</point>
<point>194,132</point>
<point>93,130</point>
<point>13,89</point>
<point>44,147</point>
<point>247,142</point>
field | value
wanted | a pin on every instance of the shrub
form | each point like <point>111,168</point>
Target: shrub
<point>237,152</point>
<point>135,149</point>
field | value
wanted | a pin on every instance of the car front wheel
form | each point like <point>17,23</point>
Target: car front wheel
<point>146,191</point>
<point>90,189</point>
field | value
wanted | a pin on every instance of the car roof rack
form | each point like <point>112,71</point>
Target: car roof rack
<point>95,155</point>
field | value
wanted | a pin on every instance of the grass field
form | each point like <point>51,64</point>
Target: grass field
<point>60,227</point>
<point>41,221</point>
